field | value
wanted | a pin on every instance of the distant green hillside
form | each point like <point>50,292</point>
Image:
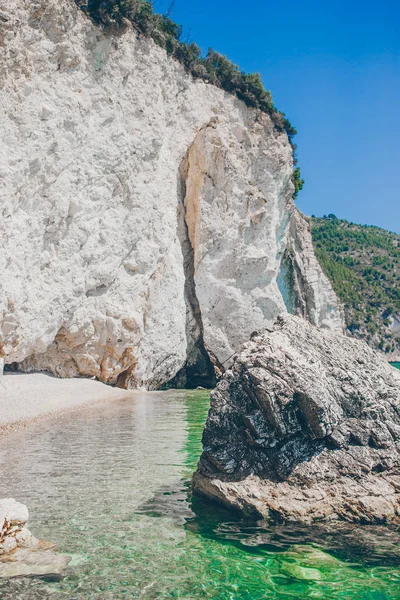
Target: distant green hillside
<point>363,265</point>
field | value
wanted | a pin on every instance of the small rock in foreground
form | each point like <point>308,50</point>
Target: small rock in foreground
<point>305,426</point>
<point>21,553</point>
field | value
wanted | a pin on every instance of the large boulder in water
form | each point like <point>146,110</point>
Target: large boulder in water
<point>305,426</point>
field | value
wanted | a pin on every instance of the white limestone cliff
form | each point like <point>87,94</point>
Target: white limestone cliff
<point>147,220</point>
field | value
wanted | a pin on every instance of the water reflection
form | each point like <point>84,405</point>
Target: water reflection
<point>111,486</point>
<point>364,545</point>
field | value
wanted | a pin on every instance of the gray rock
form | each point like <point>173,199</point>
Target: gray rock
<point>305,426</point>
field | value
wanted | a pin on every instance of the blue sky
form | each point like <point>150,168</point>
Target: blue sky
<point>334,69</point>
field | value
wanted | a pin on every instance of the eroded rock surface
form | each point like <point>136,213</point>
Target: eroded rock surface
<point>305,426</point>
<point>147,218</point>
<point>21,553</point>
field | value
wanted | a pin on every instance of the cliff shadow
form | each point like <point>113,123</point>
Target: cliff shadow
<point>199,370</point>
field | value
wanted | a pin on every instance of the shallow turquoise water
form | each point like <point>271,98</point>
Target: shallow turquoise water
<point>110,485</point>
<point>396,364</point>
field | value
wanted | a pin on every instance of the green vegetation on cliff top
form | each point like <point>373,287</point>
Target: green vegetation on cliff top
<point>363,264</point>
<point>213,68</point>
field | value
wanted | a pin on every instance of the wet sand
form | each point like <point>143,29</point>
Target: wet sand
<point>27,397</point>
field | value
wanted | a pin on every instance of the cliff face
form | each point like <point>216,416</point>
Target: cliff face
<point>147,222</point>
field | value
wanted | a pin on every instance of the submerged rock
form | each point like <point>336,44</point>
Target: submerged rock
<point>305,426</point>
<point>21,553</point>
<point>23,563</point>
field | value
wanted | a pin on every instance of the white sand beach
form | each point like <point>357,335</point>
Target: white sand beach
<point>25,397</point>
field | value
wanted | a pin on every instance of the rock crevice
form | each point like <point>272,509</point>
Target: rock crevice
<point>200,368</point>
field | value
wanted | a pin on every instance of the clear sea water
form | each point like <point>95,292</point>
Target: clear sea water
<point>396,364</point>
<point>110,486</point>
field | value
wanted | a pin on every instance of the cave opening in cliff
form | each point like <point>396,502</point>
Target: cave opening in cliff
<point>198,371</point>
<point>11,367</point>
